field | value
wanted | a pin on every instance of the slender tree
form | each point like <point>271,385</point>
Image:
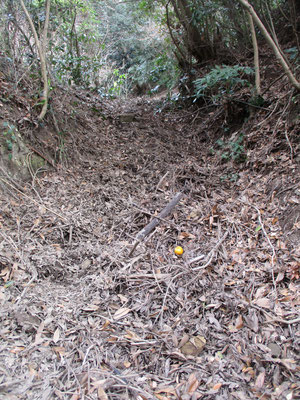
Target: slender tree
<point>256,56</point>
<point>41,46</point>
<point>271,42</point>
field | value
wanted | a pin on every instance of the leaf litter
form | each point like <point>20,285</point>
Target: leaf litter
<point>83,320</point>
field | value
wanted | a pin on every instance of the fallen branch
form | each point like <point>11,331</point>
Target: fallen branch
<point>210,255</point>
<point>149,228</point>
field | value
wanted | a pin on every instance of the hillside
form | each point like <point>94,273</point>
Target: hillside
<point>82,318</point>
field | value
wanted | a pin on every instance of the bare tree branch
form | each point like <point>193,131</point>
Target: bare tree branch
<point>271,42</point>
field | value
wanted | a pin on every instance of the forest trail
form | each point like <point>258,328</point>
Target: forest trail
<point>83,320</point>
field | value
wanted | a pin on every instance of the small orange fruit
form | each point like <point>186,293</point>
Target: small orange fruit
<point>178,251</point>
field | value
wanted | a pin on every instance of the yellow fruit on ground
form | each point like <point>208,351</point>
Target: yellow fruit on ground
<point>178,250</point>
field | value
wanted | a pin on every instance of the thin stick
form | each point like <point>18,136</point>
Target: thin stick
<point>148,228</point>
<point>210,254</point>
<point>273,257</point>
<point>161,180</point>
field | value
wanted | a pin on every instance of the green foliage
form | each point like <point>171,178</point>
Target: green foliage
<point>90,40</point>
<point>135,46</point>
<point>231,150</point>
<point>222,81</point>
<point>10,135</point>
<point>157,68</point>
<point>231,177</point>
<point>118,83</point>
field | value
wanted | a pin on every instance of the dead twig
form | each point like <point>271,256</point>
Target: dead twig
<point>149,228</point>
<point>210,255</point>
<point>273,256</point>
<point>271,319</point>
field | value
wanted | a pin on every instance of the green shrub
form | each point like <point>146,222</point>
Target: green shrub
<point>231,150</point>
<point>222,80</point>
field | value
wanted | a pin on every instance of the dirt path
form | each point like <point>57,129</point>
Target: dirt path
<point>82,320</point>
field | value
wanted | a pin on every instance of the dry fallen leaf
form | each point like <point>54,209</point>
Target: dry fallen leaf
<point>126,364</point>
<point>232,328</point>
<point>101,394</point>
<point>193,383</point>
<point>239,323</point>
<point>59,350</point>
<point>132,335</point>
<point>168,389</point>
<point>56,335</point>
<point>105,326</point>
<point>121,312</point>
<point>263,302</point>
<point>194,346</point>
<point>186,235</point>
<point>260,380</point>
<point>17,349</point>
<point>123,298</point>
<point>183,340</point>
<point>217,386</point>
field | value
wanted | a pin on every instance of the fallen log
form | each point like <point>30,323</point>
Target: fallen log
<point>152,224</point>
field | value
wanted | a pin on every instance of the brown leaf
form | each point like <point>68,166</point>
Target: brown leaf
<point>193,384</point>
<point>183,340</point>
<point>126,364</point>
<point>121,312</point>
<point>253,321</point>
<point>189,349</point>
<point>17,349</point>
<point>217,386</point>
<point>289,364</point>
<point>186,235</point>
<point>59,350</point>
<point>263,302</point>
<point>56,335</point>
<point>239,323</point>
<point>232,328</point>
<point>168,389</point>
<point>194,346</point>
<point>199,342</point>
<point>76,396</point>
<point>5,274</point>
<point>280,277</point>
<point>37,221</point>
<point>260,380</point>
<point>105,326</point>
<point>123,298</point>
<point>101,394</point>
<point>132,335</point>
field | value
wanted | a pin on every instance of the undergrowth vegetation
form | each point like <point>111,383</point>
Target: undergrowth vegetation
<point>222,81</point>
<point>123,48</point>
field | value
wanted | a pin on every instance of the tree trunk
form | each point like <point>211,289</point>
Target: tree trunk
<point>41,47</point>
<point>195,41</point>
<point>271,42</point>
<point>256,56</point>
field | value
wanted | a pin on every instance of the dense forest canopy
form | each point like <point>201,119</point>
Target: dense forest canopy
<point>144,46</point>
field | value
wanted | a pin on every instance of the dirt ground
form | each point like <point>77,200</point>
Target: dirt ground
<point>82,318</point>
